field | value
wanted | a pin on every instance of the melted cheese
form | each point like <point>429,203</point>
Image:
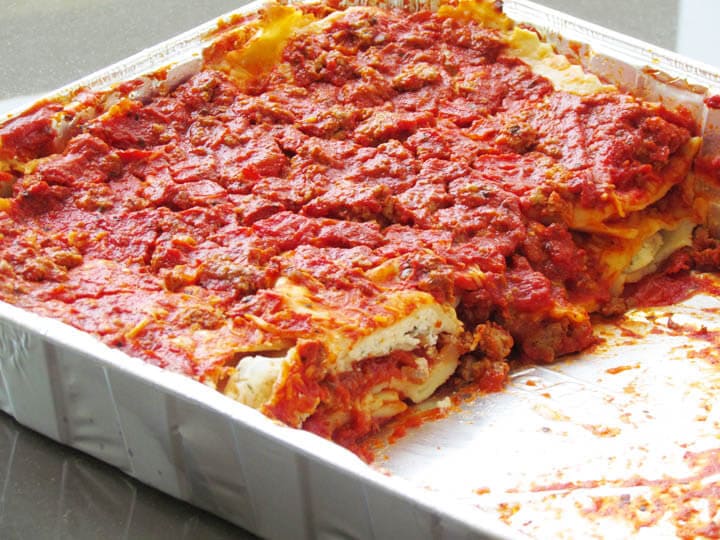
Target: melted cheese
<point>389,398</point>
<point>483,12</point>
<point>595,219</point>
<point>254,378</point>
<point>627,260</point>
<point>444,365</point>
<point>543,60</point>
<point>657,248</point>
<point>402,321</point>
<point>383,404</point>
<point>261,52</point>
<point>526,46</point>
<point>405,321</point>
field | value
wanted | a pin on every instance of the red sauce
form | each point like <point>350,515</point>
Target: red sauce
<point>676,501</point>
<point>341,395</point>
<point>162,227</point>
<point>31,134</point>
<point>663,289</point>
<point>713,101</point>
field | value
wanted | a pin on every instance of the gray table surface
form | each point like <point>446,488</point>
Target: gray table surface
<point>49,491</point>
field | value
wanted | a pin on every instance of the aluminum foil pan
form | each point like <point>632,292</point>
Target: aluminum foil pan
<point>618,442</point>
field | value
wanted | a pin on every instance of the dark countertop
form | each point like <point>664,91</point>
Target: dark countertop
<point>50,491</point>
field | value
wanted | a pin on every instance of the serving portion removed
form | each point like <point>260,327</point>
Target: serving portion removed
<point>344,208</point>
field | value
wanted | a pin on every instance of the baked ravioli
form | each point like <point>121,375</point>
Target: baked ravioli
<point>346,207</point>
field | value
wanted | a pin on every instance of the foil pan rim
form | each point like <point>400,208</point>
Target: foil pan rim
<point>184,48</point>
<point>187,389</point>
<point>617,43</point>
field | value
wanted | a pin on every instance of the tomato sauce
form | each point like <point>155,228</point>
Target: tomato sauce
<point>713,102</point>
<point>30,135</point>
<point>668,500</point>
<point>162,227</point>
<point>663,289</point>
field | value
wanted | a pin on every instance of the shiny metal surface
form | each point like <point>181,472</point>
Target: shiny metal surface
<point>50,491</point>
<point>619,442</point>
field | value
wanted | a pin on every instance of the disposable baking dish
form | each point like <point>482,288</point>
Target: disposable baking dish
<point>632,421</point>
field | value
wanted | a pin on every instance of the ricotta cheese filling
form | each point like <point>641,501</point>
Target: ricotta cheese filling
<point>657,248</point>
<point>430,334</point>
